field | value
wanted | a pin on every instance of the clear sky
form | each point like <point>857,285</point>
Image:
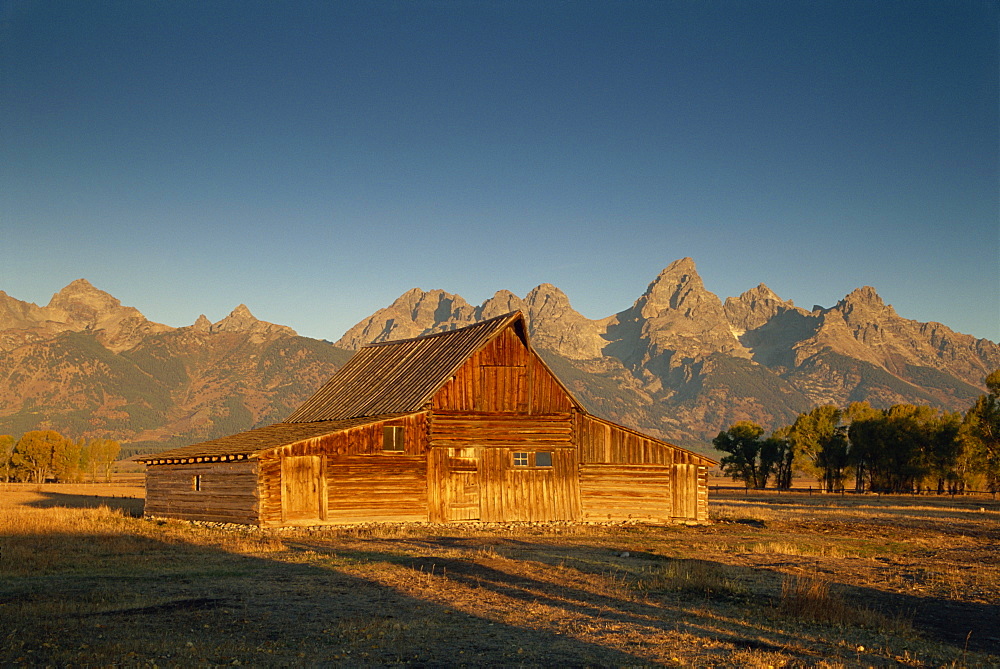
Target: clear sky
<point>314,160</point>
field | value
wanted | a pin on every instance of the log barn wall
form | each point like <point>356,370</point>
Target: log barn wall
<point>502,401</point>
<point>225,492</point>
<point>360,481</point>
<point>503,377</point>
<point>627,475</point>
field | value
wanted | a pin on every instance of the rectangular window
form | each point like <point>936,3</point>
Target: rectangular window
<point>196,482</point>
<point>393,439</point>
<point>533,459</point>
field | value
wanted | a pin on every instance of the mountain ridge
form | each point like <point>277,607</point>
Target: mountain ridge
<point>679,362</point>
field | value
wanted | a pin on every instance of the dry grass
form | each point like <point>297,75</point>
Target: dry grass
<point>798,581</point>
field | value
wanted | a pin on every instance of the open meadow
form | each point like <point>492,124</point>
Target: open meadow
<point>774,580</point>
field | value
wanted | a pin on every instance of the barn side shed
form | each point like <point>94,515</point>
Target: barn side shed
<point>469,424</point>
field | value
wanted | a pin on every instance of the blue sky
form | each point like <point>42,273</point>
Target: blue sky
<point>314,160</point>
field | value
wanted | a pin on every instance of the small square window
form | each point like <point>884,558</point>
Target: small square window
<point>393,439</point>
<point>522,459</point>
<point>543,459</point>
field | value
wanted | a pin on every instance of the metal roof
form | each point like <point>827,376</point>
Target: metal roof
<point>248,444</point>
<point>400,376</point>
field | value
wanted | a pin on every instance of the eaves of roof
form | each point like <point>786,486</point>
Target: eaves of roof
<point>250,444</point>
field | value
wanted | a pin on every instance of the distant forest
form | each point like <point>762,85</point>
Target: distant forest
<point>905,448</point>
<point>45,455</point>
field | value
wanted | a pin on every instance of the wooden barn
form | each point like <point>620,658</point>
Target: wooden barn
<point>468,424</point>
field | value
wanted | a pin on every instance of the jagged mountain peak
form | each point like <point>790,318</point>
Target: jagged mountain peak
<point>864,306</point>
<point>84,301</point>
<point>866,295</point>
<point>546,297</point>
<point>677,287</point>
<point>241,319</point>
<point>502,302</point>
<point>238,320</point>
<point>754,308</point>
<point>414,313</point>
<point>202,324</point>
<point>762,292</point>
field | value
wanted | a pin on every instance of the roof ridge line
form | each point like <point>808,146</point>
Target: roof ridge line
<point>443,332</point>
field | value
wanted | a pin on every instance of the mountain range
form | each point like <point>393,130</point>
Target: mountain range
<point>679,363</point>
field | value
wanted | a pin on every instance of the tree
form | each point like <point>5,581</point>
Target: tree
<point>780,444</point>
<point>40,451</point>
<point>748,459</point>
<point>101,455</point>
<point>945,455</point>
<point>66,461</point>
<point>833,459</point>
<point>895,447</point>
<point>982,427</point>
<point>858,454</point>
<point>820,445</point>
<point>6,453</point>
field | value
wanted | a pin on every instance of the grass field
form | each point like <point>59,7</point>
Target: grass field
<point>774,580</point>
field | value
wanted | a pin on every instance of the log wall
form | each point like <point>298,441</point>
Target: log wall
<point>360,481</point>
<point>624,474</point>
<point>228,492</point>
<point>471,471</point>
<point>504,377</point>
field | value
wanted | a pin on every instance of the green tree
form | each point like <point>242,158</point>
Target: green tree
<point>820,445</point>
<point>859,455</point>
<point>748,459</point>
<point>982,428</point>
<point>896,446</point>
<point>780,444</point>
<point>833,459</point>
<point>945,457</point>
<point>40,452</point>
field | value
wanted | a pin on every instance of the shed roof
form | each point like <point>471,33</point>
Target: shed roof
<point>252,442</point>
<point>403,375</point>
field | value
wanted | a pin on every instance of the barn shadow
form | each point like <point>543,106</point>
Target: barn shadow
<point>147,601</point>
<point>964,625</point>
<point>130,506</point>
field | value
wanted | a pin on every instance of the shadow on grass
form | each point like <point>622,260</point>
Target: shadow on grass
<point>964,625</point>
<point>137,600</point>
<point>130,506</point>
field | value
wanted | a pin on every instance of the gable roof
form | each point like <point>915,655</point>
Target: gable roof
<point>402,375</point>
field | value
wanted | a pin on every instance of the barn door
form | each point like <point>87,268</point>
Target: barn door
<point>461,485</point>
<point>302,488</point>
<point>684,491</point>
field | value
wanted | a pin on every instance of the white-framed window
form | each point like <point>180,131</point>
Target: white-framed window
<point>393,439</point>
<point>532,459</point>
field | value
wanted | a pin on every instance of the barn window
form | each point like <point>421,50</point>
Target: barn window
<point>196,482</point>
<point>393,439</point>
<point>536,459</point>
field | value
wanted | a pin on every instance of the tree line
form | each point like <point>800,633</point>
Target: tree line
<point>904,448</point>
<point>45,455</point>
